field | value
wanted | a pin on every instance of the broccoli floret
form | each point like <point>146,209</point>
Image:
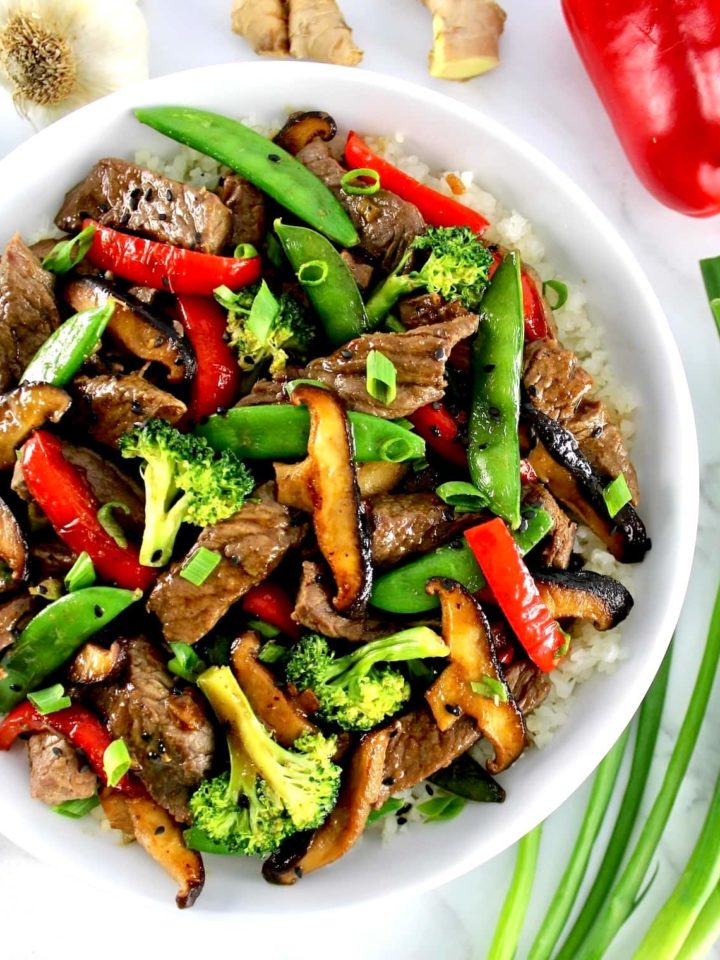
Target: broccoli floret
<point>262,327</point>
<point>353,692</point>
<point>294,789</point>
<point>456,267</point>
<point>184,482</point>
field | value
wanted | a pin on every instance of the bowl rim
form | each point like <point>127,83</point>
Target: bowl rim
<point>688,461</point>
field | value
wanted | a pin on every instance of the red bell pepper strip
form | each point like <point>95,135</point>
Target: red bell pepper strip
<point>78,725</point>
<point>655,68</point>
<point>67,499</point>
<point>536,325</point>
<point>269,602</point>
<point>216,383</point>
<point>516,593</point>
<point>165,267</point>
<point>437,209</point>
<point>439,429</point>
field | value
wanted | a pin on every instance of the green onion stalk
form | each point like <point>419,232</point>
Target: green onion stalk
<point>509,926</point>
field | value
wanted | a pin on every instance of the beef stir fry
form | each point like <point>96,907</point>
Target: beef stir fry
<point>292,478</point>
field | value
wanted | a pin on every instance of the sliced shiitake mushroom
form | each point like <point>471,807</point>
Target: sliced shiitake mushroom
<point>304,126</point>
<point>559,463</point>
<point>329,474</point>
<point>13,550</point>
<point>473,659</point>
<point>361,784</point>
<point>135,328</point>
<point>23,410</point>
<point>374,478</point>
<point>584,595</point>
<point>95,664</point>
<point>14,616</point>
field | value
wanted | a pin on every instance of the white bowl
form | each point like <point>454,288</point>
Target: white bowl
<point>586,248</point>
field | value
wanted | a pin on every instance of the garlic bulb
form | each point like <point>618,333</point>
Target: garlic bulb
<point>56,55</point>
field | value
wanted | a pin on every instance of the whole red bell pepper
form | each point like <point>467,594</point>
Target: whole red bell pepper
<point>269,602</point>
<point>440,431</point>
<point>165,267</point>
<point>437,209</point>
<point>216,383</point>
<point>516,593</point>
<point>65,496</point>
<point>655,67</point>
<point>78,725</point>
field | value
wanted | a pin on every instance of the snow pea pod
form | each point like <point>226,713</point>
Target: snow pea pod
<point>280,432</point>
<point>494,447</point>
<point>67,348</point>
<point>402,590</point>
<point>54,635</point>
<point>336,298</point>
<point>262,162</point>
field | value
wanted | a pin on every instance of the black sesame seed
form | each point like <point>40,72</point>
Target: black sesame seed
<point>99,612</point>
<point>597,432</point>
<point>136,406</point>
<point>346,354</point>
<point>161,747</point>
<point>136,193</point>
<point>429,790</point>
<point>273,158</point>
<point>15,687</point>
<point>56,751</point>
<point>221,181</point>
<point>439,353</point>
<point>405,808</point>
<point>448,584</point>
<point>145,736</point>
<point>152,755</point>
<point>221,411</point>
<point>169,195</point>
<point>159,830</point>
<point>125,218</point>
<point>453,710</point>
<point>388,781</point>
<point>401,821</point>
<point>134,202</point>
<point>149,193</point>
<point>531,391</point>
<point>162,216</point>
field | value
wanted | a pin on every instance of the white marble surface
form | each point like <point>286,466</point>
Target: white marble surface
<point>541,92</point>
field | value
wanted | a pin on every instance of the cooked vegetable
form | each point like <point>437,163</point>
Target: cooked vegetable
<point>62,491</point>
<point>116,761</point>
<point>584,595</point>
<point>270,602</point>
<point>96,664</point>
<point>302,127</point>
<point>81,574</point>
<point>184,482</point>
<point>25,409</point>
<point>673,145</point>
<point>353,691</point>
<point>65,350</point>
<point>494,448</point>
<point>471,682</point>
<point>50,699</point>
<point>509,926</point>
<point>710,269</point>
<point>199,566</point>
<point>264,25</point>
<point>281,432</point>
<point>338,515</point>
<point>216,382</point>
<point>14,559</point>
<point>133,327</point>
<point>263,328</point>
<point>402,590</point>
<point>438,428</point>
<point>163,266</point>
<point>381,377</point>
<point>465,37</point>
<point>436,208</point>
<point>616,494</point>
<point>336,300</point>
<point>456,267</point>
<point>467,779</point>
<point>67,254</point>
<point>319,32</point>
<point>265,164</point>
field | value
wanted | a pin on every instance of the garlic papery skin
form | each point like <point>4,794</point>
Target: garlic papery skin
<point>56,55</point>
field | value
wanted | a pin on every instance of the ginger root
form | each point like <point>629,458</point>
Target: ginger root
<point>264,24</point>
<point>466,35</point>
<point>319,32</point>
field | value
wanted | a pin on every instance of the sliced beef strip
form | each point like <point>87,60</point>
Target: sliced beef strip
<point>419,357</point>
<point>50,558</point>
<point>168,733</point>
<point>560,388</point>
<point>120,194</point>
<point>28,312</point>
<point>421,309</point>
<point>408,523</point>
<point>14,615</point>
<point>314,610</point>
<point>362,272</point>
<point>528,685</point>
<point>386,225</point>
<point>247,206</point>
<point>418,748</point>
<point>265,391</point>
<point>561,539</point>
<point>56,774</point>
<point>251,544</point>
<point>114,405</point>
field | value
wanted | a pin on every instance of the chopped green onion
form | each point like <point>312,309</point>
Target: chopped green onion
<point>394,326</point>
<point>441,808</point>
<point>710,270</point>
<point>349,185</point>
<point>49,589</point>
<point>391,805</point>
<point>50,700</point>
<point>313,273</point>
<point>404,423</point>
<point>272,652</point>
<point>266,630</point>
<point>109,524</point>
<point>491,688</point>
<point>464,497</point>
<point>420,464</point>
<point>116,762</point>
<point>81,574</point>
<point>200,565</point>
<point>616,494</point>
<point>381,377</point>
<point>559,289</point>
<point>564,648</point>
<point>185,662</point>
<point>396,450</point>
<point>244,250</point>
<point>509,926</point>
<point>77,808</point>
<point>306,381</point>
<point>225,297</point>
<point>68,253</point>
<point>263,314</point>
